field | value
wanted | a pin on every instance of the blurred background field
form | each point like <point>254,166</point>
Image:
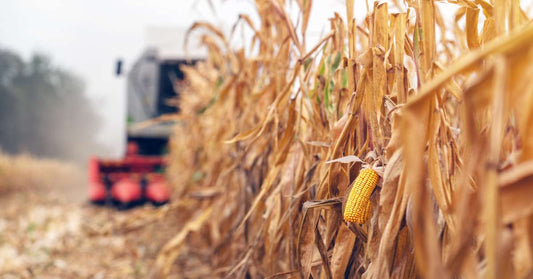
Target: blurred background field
<point>24,173</point>
<point>48,230</point>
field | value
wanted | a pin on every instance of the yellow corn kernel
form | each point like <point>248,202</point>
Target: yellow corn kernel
<point>358,208</point>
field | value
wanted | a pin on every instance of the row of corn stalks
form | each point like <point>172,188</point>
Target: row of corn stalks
<point>272,137</point>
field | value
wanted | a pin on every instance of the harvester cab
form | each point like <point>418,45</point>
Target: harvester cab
<point>153,86</point>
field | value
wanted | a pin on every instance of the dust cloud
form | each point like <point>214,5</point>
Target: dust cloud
<point>45,112</point>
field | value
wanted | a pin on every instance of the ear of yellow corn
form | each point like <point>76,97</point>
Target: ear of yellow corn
<point>358,208</point>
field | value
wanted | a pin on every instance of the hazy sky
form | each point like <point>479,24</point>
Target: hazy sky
<point>87,37</point>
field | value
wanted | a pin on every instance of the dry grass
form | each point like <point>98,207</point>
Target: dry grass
<point>442,111</point>
<point>24,173</point>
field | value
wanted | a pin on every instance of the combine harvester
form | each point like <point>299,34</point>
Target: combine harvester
<point>153,84</point>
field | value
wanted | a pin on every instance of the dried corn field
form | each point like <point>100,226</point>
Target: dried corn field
<point>272,137</point>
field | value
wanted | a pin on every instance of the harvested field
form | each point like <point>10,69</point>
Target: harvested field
<point>48,230</point>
